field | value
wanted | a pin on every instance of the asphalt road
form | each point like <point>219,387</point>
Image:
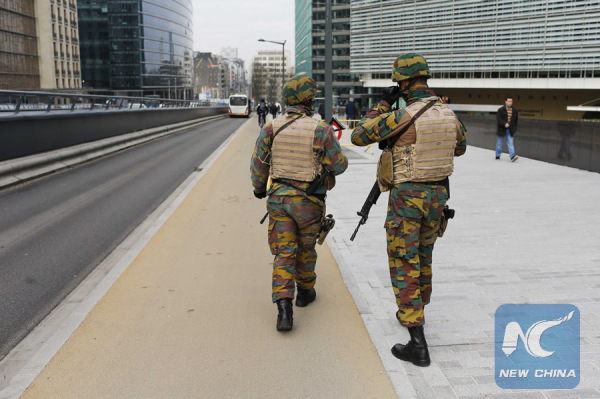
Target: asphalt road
<point>54,231</point>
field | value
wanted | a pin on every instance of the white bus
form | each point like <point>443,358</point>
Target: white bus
<point>239,106</point>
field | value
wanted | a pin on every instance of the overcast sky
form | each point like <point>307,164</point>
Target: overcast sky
<point>240,23</point>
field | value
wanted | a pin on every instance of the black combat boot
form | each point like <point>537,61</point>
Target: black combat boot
<point>285,321</point>
<point>305,297</point>
<point>415,351</point>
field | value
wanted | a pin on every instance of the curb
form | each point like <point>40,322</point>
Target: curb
<point>27,168</point>
<point>24,363</point>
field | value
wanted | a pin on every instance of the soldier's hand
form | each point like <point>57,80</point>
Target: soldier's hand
<point>260,194</point>
<point>391,94</point>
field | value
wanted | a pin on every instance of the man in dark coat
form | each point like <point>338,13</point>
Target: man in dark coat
<point>507,118</point>
<point>350,112</point>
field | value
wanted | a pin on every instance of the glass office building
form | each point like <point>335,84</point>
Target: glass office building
<point>533,45</point>
<point>310,45</point>
<point>486,39</point>
<point>94,46</point>
<point>137,47</point>
<point>303,25</point>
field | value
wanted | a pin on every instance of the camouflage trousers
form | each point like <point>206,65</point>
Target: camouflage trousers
<point>414,211</point>
<point>294,223</point>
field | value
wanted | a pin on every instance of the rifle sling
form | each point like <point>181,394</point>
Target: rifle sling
<point>284,126</point>
<point>412,120</point>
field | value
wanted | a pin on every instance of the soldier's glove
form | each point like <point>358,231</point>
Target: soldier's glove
<point>260,194</point>
<point>383,144</point>
<point>390,94</point>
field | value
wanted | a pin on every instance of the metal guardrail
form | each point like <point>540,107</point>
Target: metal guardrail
<point>19,101</point>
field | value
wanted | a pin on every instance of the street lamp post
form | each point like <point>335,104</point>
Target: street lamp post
<point>282,66</point>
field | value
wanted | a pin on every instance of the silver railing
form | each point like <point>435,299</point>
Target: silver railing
<point>20,101</point>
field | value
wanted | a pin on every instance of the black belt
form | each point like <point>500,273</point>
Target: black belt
<point>442,182</point>
<point>319,196</point>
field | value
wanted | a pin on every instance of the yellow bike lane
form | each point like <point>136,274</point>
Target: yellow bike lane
<point>192,316</point>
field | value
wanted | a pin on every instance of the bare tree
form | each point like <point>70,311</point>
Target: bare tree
<point>273,90</point>
<point>259,81</point>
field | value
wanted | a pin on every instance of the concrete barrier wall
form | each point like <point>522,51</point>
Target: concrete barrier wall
<point>570,143</point>
<point>32,133</point>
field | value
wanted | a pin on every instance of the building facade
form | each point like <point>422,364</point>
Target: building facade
<point>267,66</point>
<point>149,46</point>
<point>216,76</point>
<point>210,76</point>
<point>544,54</point>
<point>94,44</point>
<point>58,44</point>
<point>237,75</point>
<point>39,48</point>
<point>303,29</point>
<point>310,46</point>
<point>19,59</point>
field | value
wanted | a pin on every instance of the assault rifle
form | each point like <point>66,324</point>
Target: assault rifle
<point>366,208</point>
<point>372,200</point>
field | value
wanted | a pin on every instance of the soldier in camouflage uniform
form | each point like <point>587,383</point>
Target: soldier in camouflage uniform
<point>422,159</point>
<point>294,150</point>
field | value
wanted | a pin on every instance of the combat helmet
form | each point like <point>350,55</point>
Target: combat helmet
<point>299,89</point>
<point>408,66</point>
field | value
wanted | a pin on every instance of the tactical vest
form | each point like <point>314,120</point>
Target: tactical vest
<point>292,155</point>
<point>431,158</point>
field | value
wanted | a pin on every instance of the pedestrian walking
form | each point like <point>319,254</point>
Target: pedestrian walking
<point>296,150</point>
<point>273,110</point>
<point>565,130</point>
<point>508,118</point>
<point>321,110</point>
<point>350,112</point>
<point>422,139</point>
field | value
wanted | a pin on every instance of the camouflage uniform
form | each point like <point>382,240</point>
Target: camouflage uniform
<point>414,209</point>
<point>294,217</point>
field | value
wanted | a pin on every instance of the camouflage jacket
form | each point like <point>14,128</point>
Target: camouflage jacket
<point>380,122</point>
<point>324,143</point>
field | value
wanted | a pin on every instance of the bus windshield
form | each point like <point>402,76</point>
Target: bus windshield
<point>238,101</point>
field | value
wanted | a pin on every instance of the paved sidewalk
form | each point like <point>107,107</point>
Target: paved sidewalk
<point>191,316</point>
<point>524,232</point>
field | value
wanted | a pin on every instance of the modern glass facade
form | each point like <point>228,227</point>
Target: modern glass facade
<point>19,64</point>
<point>303,40</point>
<point>310,45</point>
<point>466,39</point>
<point>94,44</point>
<point>149,46</point>
<point>543,53</point>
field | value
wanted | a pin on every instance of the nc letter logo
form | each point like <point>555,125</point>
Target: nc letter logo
<point>531,338</point>
<point>537,346</point>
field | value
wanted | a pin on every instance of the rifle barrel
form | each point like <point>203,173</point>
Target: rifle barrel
<point>355,231</point>
<point>366,208</point>
<point>264,217</point>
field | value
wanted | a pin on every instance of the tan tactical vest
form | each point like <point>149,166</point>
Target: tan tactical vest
<point>292,155</point>
<point>431,158</point>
